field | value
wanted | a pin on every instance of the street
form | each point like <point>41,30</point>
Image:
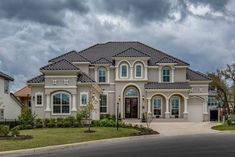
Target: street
<point>221,144</point>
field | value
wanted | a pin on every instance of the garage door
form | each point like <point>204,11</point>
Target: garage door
<point>195,110</point>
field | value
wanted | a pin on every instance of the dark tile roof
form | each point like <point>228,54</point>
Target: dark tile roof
<point>166,60</point>
<point>110,49</point>
<point>5,76</point>
<point>82,77</point>
<point>176,85</point>
<point>102,61</point>
<point>131,52</point>
<point>37,79</point>
<point>60,65</point>
<point>195,76</point>
<point>71,56</point>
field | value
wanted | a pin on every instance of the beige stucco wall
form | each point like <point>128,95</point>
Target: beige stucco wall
<point>11,109</point>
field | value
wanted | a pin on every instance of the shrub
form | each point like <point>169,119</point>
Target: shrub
<point>80,116</point>
<point>28,126</point>
<point>76,124</point>
<point>104,123</point>
<point>39,123</point>
<point>4,130</point>
<point>229,122</point>
<point>46,121</point>
<point>26,118</point>
<point>52,123</point>
<point>15,131</point>
<point>108,116</point>
<point>70,119</point>
<point>67,124</point>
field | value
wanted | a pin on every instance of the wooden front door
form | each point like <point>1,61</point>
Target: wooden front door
<point>131,107</point>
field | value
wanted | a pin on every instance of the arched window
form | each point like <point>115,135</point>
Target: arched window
<point>124,71</point>
<point>102,74</point>
<point>157,105</point>
<point>61,103</point>
<point>175,105</point>
<point>166,74</point>
<point>131,92</point>
<point>138,70</point>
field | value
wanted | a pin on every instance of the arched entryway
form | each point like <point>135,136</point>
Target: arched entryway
<point>131,102</point>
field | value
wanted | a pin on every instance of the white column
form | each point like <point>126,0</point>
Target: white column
<point>205,107</point>
<point>131,73</point>
<point>96,75</point>
<point>74,107</point>
<point>185,105</point>
<point>146,73</point>
<point>172,74</point>
<point>108,74</point>
<point>149,105</point>
<point>116,73</point>
<point>160,74</point>
<point>167,113</point>
<point>48,104</point>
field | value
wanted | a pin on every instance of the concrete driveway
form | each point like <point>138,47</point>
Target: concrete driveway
<point>182,128</point>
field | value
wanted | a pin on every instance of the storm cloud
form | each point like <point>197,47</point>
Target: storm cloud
<point>201,32</point>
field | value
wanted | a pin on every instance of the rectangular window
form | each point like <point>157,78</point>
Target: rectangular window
<point>166,75</point>
<point>83,99</point>
<point>138,71</point>
<point>124,71</point>
<point>102,74</point>
<point>1,114</point>
<point>103,103</point>
<point>175,106</point>
<point>38,99</point>
<point>6,86</point>
<point>157,107</point>
<point>212,101</point>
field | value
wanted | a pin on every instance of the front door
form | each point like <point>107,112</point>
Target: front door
<point>131,107</point>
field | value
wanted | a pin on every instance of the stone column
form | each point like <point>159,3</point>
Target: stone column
<point>167,113</point>
<point>205,112</point>
<point>116,73</point>
<point>96,75</point>
<point>160,74</point>
<point>131,73</point>
<point>185,108</point>
<point>74,106</point>
<point>149,105</point>
<point>172,74</point>
<point>108,71</point>
<point>48,104</point>
<point>146,73</point>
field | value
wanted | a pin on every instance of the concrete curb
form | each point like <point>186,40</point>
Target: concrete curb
<point>66,146</point>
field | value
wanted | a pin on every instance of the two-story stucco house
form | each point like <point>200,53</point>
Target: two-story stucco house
<point>130,76</point>
<point>10,106</point>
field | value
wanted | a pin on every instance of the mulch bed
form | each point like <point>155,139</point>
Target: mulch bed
<point>20,137</point>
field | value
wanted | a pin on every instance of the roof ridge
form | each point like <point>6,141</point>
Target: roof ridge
<point>164,58</point>
<point>163,53</point>
<point>199,73</point>
<point>58,62</point>
<point>88,48</point>
<point>62,55</point>
<point>82,56</point>
<point>130,49</point>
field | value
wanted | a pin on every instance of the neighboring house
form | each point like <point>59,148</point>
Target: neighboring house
<point>213,105</point>
<point>132,76</point>
<point>10,106</point>
<point>24,95</point>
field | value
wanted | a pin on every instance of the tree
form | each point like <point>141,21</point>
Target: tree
<point>149,119</point>
<point>222,89</point>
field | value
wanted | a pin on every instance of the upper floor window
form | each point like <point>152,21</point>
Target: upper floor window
<point>124,71</point>
<point>138,70</point>
<point>83,99</point>
<point>102,74</point>
<point>6,86</point>
<point>61,103</point>
<point>166,74</point>
<point>212,101</point>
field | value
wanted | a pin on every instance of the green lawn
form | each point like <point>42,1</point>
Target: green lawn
<point>56,136</point>
<point>224,127</point>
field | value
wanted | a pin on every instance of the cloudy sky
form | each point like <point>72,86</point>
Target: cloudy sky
<point>201,32</point>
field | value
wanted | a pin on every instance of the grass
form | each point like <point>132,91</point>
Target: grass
<point>224,127</point>
<point>56,136</point>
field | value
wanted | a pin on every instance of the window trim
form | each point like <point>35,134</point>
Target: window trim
<point>171,105</point>
<point>8,86</point>
<point>157,97</point>
<point>84,93</point>
<point>127,71</point>
<point>166,67</point>
<point>106,104</point>
<point>141,66</point>
<point>98,74</point>
<point>54,82</point>
<point>66,81</point>
<point>60,92</point>
<point>36,99</point>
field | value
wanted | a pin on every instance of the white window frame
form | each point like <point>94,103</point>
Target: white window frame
<point>36,99</point>
<point>166,67</point>
<point>61,92</point>
<point>1,113</point>
<point>171,105</point>
<point>81,94</point>
<point>127,70</point>
<point>157,97</point>
<point>54,82</point>
<point>141,76</point>
<point>66,81</point>
<point>98,74</point>
<point>6,86</point>
<point>106,103</point>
